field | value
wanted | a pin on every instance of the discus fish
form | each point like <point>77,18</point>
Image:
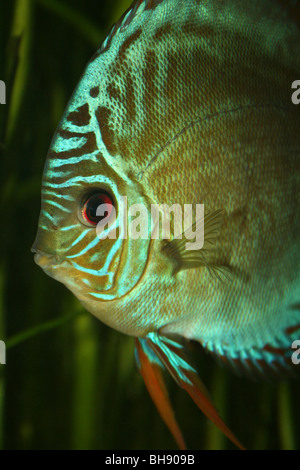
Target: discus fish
<point>186,102</point>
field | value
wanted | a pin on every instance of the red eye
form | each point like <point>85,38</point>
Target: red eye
<point>92,203</point>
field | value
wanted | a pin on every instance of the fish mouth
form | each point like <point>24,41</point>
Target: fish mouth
<point>45,260</point>
<point>50,263</point>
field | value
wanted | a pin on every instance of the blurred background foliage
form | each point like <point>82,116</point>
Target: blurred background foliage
<point>70,382</point>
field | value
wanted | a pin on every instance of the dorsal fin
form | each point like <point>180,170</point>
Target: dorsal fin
<point>127,18</point>
<point>292,7</point>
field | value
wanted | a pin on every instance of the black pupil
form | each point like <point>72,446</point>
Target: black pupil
<point>91,206</point>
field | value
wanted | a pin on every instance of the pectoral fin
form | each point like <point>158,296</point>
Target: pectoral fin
<point>197,258</point>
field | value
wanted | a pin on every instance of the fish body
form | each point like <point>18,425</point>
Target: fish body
<point>185,102</point>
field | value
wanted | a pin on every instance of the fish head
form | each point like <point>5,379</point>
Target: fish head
<point>89,253</point>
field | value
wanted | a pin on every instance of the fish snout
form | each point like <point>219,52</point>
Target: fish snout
<point>43,258</point>
<point>45,250</point>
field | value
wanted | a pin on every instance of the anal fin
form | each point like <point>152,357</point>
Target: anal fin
<point>274,358</point>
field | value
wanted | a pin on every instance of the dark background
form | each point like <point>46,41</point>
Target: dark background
<point>70,382</point>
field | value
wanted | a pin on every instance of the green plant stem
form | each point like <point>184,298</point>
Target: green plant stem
<point>285,421</point>
<point>36,330</point>
<point>21,32</point>
<point>215,438</point>
<point>85,380</point>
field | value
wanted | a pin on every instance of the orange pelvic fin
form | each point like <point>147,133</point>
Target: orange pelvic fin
<point>151,369</point>
<point>172,355</point>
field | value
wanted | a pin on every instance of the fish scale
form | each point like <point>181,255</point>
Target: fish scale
<point>185,102</point>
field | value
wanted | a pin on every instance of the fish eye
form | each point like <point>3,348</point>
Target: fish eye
<point>90,204</point>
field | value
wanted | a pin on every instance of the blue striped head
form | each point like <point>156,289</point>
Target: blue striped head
<point>116,126</point>
<point>77,180</point>
<point>80,174</point>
